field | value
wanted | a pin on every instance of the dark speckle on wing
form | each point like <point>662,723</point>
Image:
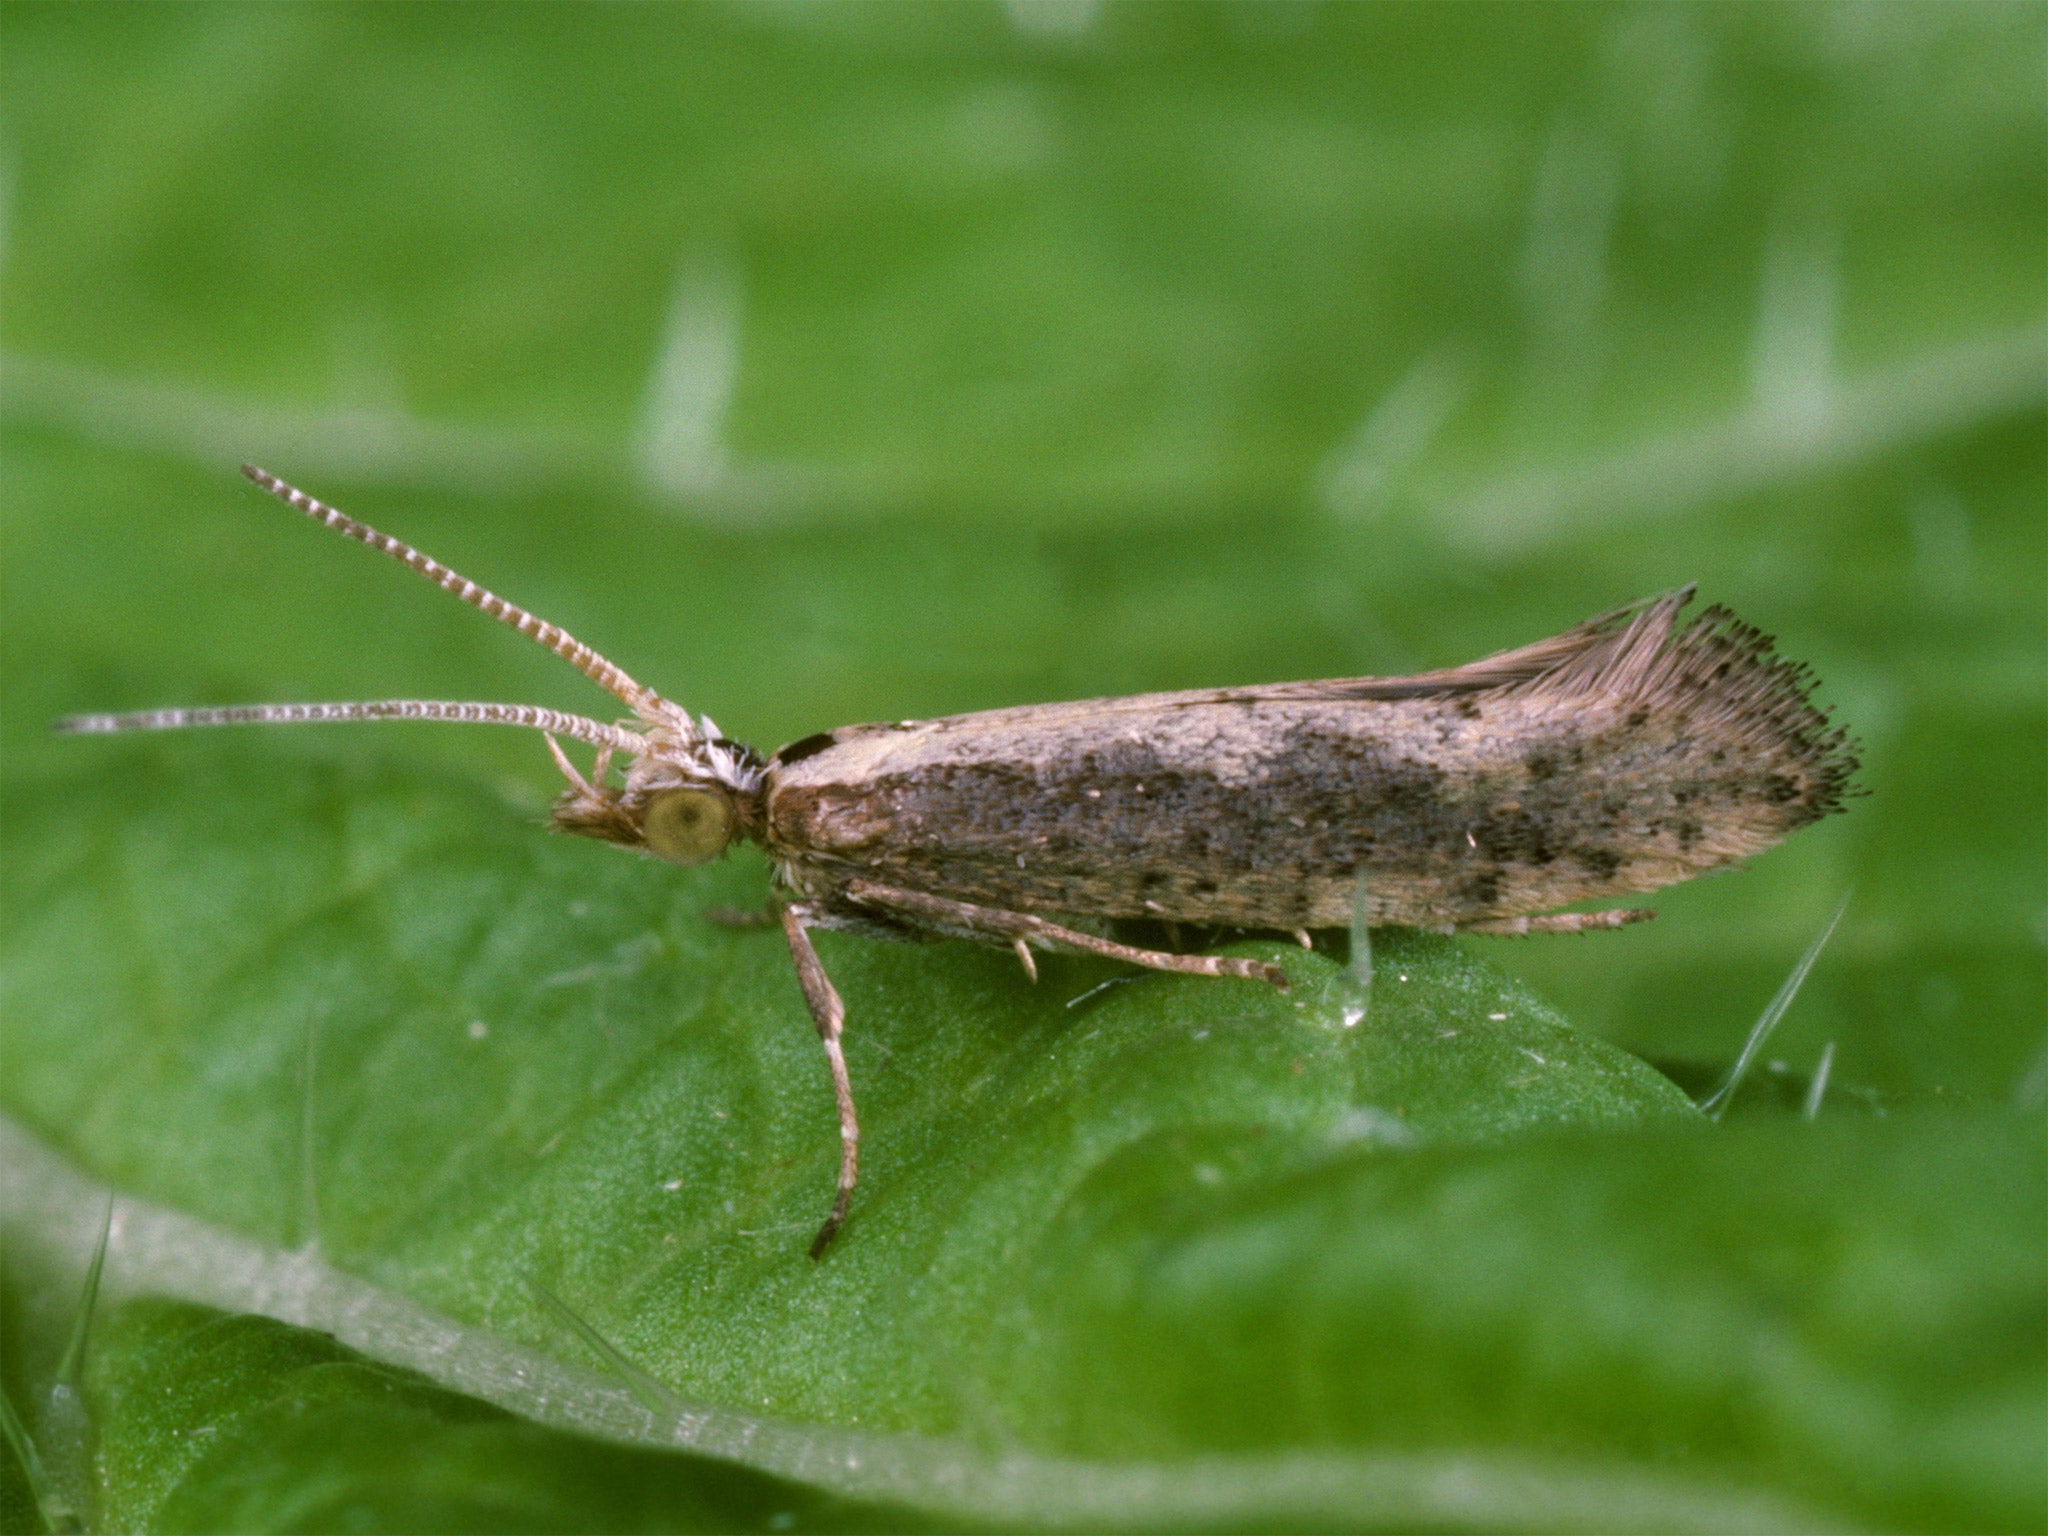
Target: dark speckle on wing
<point>1142,829</point>
<point>1622,755</point>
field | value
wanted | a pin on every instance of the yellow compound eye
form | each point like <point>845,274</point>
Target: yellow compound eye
<point>687,826</point>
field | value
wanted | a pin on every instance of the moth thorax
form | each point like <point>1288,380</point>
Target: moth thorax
<point>688,825</point>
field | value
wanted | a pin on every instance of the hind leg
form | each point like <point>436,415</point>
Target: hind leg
<point>1561,922</point>
<point>1024,932</point>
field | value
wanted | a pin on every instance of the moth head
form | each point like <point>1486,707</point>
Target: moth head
<point>685,799</point>
<point>687,793</point>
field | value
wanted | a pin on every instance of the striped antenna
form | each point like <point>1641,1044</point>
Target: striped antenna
<point>593,732</point>
<point>560,641</point>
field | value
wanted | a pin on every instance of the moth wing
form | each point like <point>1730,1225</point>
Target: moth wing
<point>1605,649</point>
<point>1600,652</point>
<point>1255,806</point>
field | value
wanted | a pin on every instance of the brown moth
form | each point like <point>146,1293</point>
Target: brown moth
<point>1623,755</point>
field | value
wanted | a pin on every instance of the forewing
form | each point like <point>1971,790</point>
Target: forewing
<point>1622,755</point>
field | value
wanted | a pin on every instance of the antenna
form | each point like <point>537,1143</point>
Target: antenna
<point>565,645</point>
<point>606,738</point>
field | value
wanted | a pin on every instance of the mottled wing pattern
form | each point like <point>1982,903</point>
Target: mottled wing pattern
<point>1621,756</point>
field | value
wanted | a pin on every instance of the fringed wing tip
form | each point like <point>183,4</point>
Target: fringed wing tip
<point>1719,676</point>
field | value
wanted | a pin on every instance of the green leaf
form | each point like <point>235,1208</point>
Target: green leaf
<point>1815,1311</point>
<point>219,1423</point>
<point>532,1057</point>
<point>1162,1218</point>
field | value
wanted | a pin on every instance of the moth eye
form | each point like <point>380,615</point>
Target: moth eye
<point>687,826</point>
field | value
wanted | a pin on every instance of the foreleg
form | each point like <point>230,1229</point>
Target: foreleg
<point>829,1014</point>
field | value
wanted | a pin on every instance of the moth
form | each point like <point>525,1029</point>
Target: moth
<point>1626,754</point>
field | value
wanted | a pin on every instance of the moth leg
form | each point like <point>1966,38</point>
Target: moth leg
<point>576,780</point>
<point>829,1014</point>
<point>588,804</point>
<point>740,917</point>
<point>1562,922</point>
<point>1014,928</point>
<point>1024,957</point>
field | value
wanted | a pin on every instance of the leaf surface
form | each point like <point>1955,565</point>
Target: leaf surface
<point>1111,1220</point>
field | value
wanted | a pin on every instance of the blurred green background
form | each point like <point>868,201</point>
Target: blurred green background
<point>829,362</point>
